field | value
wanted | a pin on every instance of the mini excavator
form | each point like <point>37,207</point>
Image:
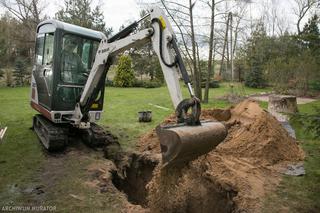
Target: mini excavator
<point>68,84</point>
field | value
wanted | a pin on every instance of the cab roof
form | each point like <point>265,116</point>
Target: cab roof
<point>70,28</point>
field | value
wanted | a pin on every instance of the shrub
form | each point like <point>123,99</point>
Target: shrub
<point>255,79</point>
<point>147,84</point>
<point>8,76</point>
<point>152,84</point>
<point>124,72</point>
<point>315,85</point>
<point>138,83</point>
<point>212,84</point>
<point>20,71</point>
<point>1,73</point>
<point>310,122</point>
<point>109,83</point>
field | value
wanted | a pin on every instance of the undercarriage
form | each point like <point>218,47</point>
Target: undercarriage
<point>55,137</point>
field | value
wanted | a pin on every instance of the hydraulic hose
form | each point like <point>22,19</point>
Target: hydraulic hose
<point>160,44</point>
<point>178,59</point>
<point>182,109</point>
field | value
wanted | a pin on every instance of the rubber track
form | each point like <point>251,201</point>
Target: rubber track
<point>53,137</point>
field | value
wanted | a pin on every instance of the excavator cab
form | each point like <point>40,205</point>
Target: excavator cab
<point>64,56</point>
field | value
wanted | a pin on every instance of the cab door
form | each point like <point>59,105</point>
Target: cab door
<point>43,69</point>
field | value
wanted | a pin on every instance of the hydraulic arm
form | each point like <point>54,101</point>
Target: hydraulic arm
<point>179,143</point>
<point>161,35</point>
<point>182,142</point>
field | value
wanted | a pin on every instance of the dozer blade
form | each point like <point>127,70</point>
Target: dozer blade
<point>182,143</point>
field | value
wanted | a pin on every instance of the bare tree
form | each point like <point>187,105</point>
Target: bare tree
<point>282,25</point>
<point>274,16</point>
<point>196,72</point>
<point>301,9</point>
<point>237,27</point>
<point>211,50</point>
<point>225,44</point>
<point>231,45</point>
<point>234,25</point>
<point>28,13</point>
<point>183,19</point>
<point>194,28</point>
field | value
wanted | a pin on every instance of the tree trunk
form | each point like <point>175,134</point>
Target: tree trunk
<point>210,58</point>
<point>199,71</point>
<point>231,47</point>
<point>224,46</point>
<point>298,25</point>
<point>36,12</point>
<point>197,84</point>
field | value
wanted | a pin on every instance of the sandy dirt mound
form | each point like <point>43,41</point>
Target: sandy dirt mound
<point>254,133</point>
<point>233,177</point>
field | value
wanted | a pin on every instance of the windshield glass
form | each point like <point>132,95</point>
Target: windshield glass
<point>77,58</point>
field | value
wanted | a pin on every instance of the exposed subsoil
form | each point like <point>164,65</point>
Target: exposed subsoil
<point>235,177</point>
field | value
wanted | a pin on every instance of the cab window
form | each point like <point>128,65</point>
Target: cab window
<point>76,59</point>
<point>44,48</point>
<point>48,49</point>
<point>39,48</point>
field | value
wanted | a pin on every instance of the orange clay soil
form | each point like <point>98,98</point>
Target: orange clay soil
<point>235,176</point>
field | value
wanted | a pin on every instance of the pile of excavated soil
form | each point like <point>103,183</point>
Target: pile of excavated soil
<point>233,177</point>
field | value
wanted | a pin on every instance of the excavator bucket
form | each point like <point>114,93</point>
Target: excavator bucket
<point>182,143</point>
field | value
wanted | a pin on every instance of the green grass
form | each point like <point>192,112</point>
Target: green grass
<point>20,156</point>
<point>300,194</point>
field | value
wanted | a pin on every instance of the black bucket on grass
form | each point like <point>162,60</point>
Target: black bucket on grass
<point>145,116</point>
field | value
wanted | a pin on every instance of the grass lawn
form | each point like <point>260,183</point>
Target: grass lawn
<point>300,194</point>
<point>22,158</point>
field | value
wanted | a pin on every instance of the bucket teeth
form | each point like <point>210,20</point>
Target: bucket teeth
<point>180,143</point>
